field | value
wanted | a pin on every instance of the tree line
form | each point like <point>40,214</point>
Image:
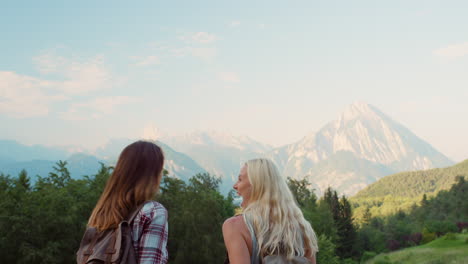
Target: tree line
<point>44,222</point>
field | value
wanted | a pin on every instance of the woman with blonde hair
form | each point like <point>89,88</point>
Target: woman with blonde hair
<point>271,227</point>
<point>128,194</point>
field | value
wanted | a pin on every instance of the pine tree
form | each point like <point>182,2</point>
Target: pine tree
<point>366,218</point>
<point>346,230</point>
<point>342,216</point>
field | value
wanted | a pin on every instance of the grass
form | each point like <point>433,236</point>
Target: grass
<point>449,249</point>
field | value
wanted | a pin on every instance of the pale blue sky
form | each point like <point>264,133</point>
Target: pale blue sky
<point>82,72</point>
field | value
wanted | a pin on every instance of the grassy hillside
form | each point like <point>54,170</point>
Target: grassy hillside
<point>450,249</point>
<point>403,190</point>
<point>415,183</point>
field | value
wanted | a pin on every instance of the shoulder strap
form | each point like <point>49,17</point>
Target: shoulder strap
<point>255,258</point>
<point>134,213</point>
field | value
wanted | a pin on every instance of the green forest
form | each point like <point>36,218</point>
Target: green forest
<point>402,191</point>
<point>43,222</point>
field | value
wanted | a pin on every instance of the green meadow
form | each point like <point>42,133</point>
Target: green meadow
<point>449,249</point>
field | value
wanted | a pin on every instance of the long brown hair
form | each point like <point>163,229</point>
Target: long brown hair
<point>135,179</point>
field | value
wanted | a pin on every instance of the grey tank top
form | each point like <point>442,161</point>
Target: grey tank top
<point>255,258</point>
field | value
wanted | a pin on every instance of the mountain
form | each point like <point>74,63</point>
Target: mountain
<point>32,167</point>
<point>361,146</point>
<point>79,164</point>
<point>358,148</point>
<point>221,154</point>
<point>39,160</point>
<point>345,172</point>
<point>13,151</point>
<point>415,183</point>
<point>176,163</point>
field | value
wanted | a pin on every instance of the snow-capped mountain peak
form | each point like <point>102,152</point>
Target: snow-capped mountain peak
<point>216,138</point>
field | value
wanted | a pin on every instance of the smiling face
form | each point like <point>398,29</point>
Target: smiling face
<point>243,186</point>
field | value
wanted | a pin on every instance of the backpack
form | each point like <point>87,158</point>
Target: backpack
<point>108,246</point>
<point>277,259</point>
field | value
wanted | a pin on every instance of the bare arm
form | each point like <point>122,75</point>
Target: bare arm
<point>311,256</point>
<point>235,244</point>
<point>312,259</point>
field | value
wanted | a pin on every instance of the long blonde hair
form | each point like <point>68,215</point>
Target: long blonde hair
<point>135,179</point>
<point>279,225</point>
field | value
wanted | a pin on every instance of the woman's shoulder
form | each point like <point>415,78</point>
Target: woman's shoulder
<point>234,222</point>
<point>237,236</point>
<point>152,208</point>
<point>235,219</point>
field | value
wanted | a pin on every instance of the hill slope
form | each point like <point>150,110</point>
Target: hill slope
<point>442,250</point>
<point>402,191</point>
<point>415,183</point>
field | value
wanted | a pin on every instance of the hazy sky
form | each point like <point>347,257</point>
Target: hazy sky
<point>82,72</point>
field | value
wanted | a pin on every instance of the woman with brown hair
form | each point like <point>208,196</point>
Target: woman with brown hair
<point>133,184</point>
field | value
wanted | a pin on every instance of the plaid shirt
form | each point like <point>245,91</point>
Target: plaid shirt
<point>150,231</point>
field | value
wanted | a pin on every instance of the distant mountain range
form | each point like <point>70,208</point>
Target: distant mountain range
<point>220,154</point>
<point>178,164</point>
<point>39,160</point>
<point>79,164</point>
<point>11,150</point>
<point>357,149</point>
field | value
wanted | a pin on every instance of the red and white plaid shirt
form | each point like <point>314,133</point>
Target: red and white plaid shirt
<point>150,232</point>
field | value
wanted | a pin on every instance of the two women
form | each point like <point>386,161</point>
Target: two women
<point>271,223</point>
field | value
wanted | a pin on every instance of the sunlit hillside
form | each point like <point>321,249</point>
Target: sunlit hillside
<point>404,190</point>
<point>450,249</point>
